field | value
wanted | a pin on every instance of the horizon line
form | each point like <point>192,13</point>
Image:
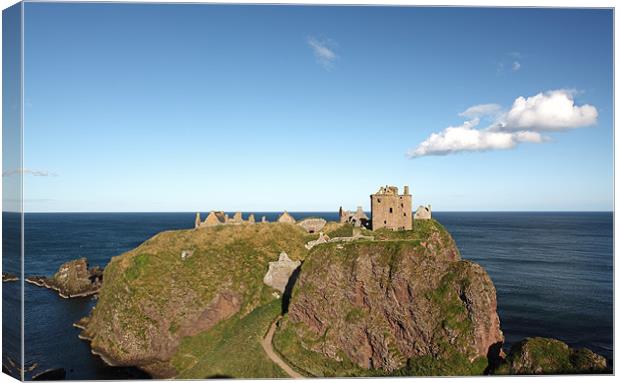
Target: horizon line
<point>299,211</point>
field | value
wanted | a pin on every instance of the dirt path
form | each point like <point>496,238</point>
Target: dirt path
<point>266,343</point>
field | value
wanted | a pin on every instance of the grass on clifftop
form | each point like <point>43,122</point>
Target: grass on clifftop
<point>230,349</point>
<point>290,348</point>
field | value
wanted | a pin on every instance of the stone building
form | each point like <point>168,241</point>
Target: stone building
<point>220,218</point>
<point>390,209</point>
<point>423,212</point>
<point>358,218</point>
<point>313,225</point>
<point>286,217</point>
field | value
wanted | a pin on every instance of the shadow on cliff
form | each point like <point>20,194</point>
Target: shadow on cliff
<point>288,290</point>
<point>495,357</point>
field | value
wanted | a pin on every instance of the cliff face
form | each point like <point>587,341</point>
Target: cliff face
<point>397,304</point>
<point>179,284</point>
<point>382,304</point>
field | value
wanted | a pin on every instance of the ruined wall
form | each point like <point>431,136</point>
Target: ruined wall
<point>391,210</point>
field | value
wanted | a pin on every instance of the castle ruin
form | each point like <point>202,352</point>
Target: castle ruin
<point>391,210</point>
<point>388,210</point>
<point>357,218</point>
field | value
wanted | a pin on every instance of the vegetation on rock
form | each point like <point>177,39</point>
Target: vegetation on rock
<point>534,356</point>
<point>391,305</point>
<point>193,304</point>
<point>73,279</point>
<point>152,298</point>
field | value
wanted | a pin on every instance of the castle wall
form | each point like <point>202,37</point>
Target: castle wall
<point>392,211</point>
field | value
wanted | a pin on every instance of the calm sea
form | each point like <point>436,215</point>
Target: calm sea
<point>553,273</point>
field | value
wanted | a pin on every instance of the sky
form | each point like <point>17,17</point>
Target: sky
<point>134,107</point>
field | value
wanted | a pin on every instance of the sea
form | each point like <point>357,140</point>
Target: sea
<point>553,272</point>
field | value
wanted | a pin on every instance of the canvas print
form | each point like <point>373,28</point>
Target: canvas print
<point>196,191</point>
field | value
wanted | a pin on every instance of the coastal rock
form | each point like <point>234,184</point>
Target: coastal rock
<point>73,279</point>
<point>280,272</point>
<point>535,356</point>
<point>383,305</point>
<point>8,277</point>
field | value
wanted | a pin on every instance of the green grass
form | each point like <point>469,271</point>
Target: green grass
<point>288,344</point>
<point>232,348</point>
<point>139,264</point>
<point>456,365</point>
<point>346,230</point>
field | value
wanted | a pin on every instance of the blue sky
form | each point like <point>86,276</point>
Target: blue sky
<point>266,108</point>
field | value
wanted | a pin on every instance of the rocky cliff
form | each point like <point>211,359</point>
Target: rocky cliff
<point>180,284</point>
<point>380,305</point>
<point>197,304</point>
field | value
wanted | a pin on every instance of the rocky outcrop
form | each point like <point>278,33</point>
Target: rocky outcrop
<point>280,272</point>
<point>380,304</point>
<point>73,279</point>
<point>535,356</point>
<point>8,277</point>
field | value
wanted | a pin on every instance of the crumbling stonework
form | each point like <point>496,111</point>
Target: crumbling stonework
<point>390,209</point>
<point>313,225</point>
<point>423,212</point>
<point>286,218</point>
<point>358,219</point>
<point>323,238</point>
<point>280,272</point>
<point>216,218</point>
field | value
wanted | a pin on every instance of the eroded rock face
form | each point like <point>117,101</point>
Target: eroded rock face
<point>152,298</point>
<point>381,303</point>
<point>280,272</point>
<point>73,279</point>
<point>534,356</point>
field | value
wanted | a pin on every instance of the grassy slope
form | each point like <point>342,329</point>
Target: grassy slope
<point>232,348</point>
<point>150,291</point>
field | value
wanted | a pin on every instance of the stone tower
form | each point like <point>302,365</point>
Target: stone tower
<point>390,209</point>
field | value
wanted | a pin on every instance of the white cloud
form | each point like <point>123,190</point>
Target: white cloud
<point>549,111</point>
<point>466,138</point>
<point>481,111</point>
<point>323,51</point>
<point>516,66</point>
<point>525,121</point>
<point>36,173</point>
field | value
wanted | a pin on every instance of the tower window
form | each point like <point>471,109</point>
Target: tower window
<point>390,210</point>
<point>404,214</point>
<point>378,200</point>
<point>385,222</point>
